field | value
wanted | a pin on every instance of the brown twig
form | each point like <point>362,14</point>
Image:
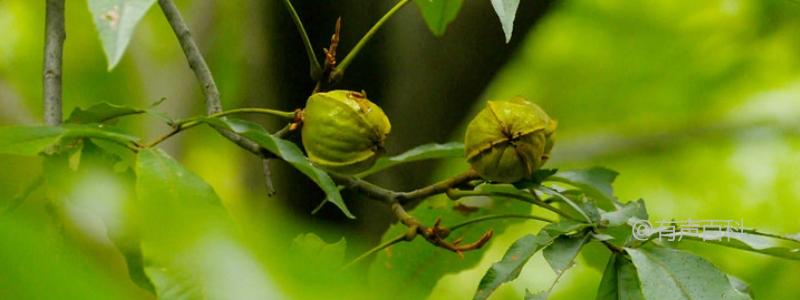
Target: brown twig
<point>327,77</point>
<point>53,54</point>
<point>193,56</point>
<point>437,234</point>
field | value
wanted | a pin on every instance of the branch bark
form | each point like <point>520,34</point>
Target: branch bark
<point>193,56</point>
<point>198,64</point>
<point>53,53</point>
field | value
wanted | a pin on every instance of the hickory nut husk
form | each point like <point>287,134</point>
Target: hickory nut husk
<point>509,140</point>
<point>343,131</point>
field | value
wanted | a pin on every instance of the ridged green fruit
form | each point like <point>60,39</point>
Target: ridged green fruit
<point>509,140</point>
<point>343,131</point>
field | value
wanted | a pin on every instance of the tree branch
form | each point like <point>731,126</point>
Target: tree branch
<point>53,54</point>
<point>193,56</point>
<point>203,74</point>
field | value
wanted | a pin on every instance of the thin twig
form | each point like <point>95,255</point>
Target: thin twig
<point>455,194</point>
<point>193,56</point>
<point>265,163</point>
<point>53,54</point>
<point>315,69</point>
<point>184,124</point>
<point>413,197</point>
<point>374,250</point>
<point>436,234</point>
<point>363,41</point>
<point>499,216</point>
<point>267,177</point>
<point>326,79</point>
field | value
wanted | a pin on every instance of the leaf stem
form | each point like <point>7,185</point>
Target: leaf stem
<point>357,48</point>
<point>53,54</point>
<point>374,250</point>
<point>565,199</point>
<point>499,216</point>
<point>184,124</point>
<point>456,194</point>
<point>315,68</point>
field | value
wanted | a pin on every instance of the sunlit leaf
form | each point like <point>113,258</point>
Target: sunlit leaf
<point>562,252</point>
<point>438,13</point>
<point>620,281</point>
<point>29,141</point>
<point>565,226</point>
<point>289,152</point>
<point>740,240</point>
<point>312,248</point>
<point>188,240</point>
<point>540,295</point>
<point>115,21</point>
<point>506,10</point>
<point>632,210</point>
<point>672,274</point>
<point>509,267</point>
<point>595,182</point>
<point>100,113</point>
<point>427,151</point>
<point>32,140</point>
<point>740,286</point>
<point>37,265</point>
<point>585,209</point>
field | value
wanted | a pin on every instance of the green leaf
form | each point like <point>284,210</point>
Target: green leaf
<point>540,295</point>
<point>411,270</point>
<point>189,242</point>
<point>740,286</point>
<point>595,182</point>
<point>115,21</point>
<point>506,10</point>
<point>313,249</point>
<point>586,210</point>
<point>741,240</point>
<point>289,152</point>
<point>99,184</point>
<point>427,151</point>
<point>32,140</point>
<point>620,281</point>
<point>438,13</point>
<point>176,209</point>
<point>632,210</point>
<point>565,226</point>
<point>672,274</point>
<point>509,267</point>
<point>563,251</point>
<point>504,189</point>
<point>100,113</point>
<point>39,264</point>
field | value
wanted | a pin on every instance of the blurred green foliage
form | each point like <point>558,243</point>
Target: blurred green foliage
<point>695,103</point>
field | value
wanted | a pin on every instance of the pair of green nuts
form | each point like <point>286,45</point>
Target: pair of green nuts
<point>507,141</point>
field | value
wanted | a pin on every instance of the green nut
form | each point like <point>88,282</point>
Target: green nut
<point>509,140</point>
<point>343,131</point>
